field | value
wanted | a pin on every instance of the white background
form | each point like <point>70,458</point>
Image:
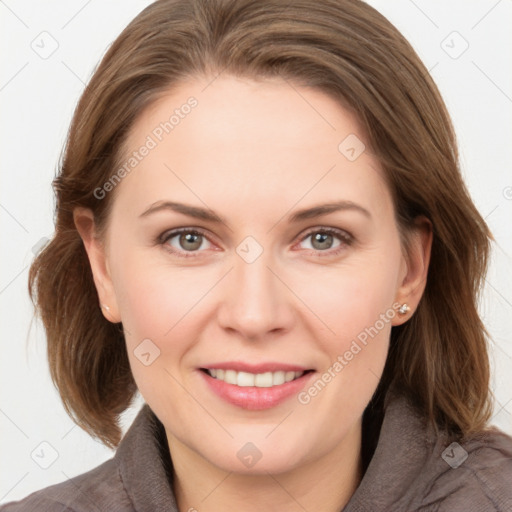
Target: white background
<point>37,100</point>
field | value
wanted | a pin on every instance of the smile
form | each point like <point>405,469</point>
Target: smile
<point>259,380</point>
<point>255,387</point>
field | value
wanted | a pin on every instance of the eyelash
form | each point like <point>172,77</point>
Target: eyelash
<point>345,238</point>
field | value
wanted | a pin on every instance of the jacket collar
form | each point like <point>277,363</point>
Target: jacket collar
<point>404,459</point>
<point>404,446</point>
<point>142,467</point>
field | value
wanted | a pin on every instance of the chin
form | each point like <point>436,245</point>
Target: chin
<point>274,464</point>
<point>258,457</point>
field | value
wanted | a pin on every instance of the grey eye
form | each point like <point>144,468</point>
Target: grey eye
<point>189,241</point>
<point>322,240</point>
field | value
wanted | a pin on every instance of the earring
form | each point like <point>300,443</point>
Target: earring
<point>105,307</point>
<point>404,309</point>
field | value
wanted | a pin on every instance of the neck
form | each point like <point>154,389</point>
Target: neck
<point>325,484</point>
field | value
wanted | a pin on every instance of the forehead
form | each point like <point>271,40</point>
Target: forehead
<point>240,142</point>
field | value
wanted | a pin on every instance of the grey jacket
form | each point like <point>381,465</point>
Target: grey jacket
<point>411,469</point>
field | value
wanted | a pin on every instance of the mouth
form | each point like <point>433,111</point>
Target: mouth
<point>259,380</point>
<point>255,387</point>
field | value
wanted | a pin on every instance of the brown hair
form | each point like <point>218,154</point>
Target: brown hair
<point>351,52</point>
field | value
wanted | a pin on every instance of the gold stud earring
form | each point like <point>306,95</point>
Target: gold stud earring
<point>404,309</point>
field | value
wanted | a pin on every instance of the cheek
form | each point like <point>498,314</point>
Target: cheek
<point>153,297</point>
<point>159,300</point>
<point>159,307</point>
<point>351,298</point>
<point>355,306</point>
<point>356,309</point>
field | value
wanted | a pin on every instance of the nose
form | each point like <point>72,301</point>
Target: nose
<point>256,304</point>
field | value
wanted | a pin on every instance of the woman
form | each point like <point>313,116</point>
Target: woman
<point>262,227</point>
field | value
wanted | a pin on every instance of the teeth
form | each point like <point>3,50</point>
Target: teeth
<point>259,380</point>
<point>245,379</point>
<point>289,376</point>
<point>230,376</point>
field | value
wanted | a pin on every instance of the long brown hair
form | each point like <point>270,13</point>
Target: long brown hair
<point>351,52</point>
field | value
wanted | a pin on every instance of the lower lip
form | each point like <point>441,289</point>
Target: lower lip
<point>252,397</point>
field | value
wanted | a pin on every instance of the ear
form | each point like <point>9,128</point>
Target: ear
<point>96,252</point>
<point>416,261</point>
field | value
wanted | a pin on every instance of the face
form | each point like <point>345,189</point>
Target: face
<point>231,278</point>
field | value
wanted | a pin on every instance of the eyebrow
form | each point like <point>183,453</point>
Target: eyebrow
<point>324,209</point>
<point>209,215</point>
<point>185,209</point>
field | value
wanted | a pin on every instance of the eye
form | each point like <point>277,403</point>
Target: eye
<point>181,241</point>
<point>187,242</point>
<point>327,240</point>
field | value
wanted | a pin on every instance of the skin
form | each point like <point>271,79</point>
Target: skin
<point>255,152</point>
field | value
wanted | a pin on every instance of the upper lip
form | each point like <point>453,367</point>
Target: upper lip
<point>241,366</point>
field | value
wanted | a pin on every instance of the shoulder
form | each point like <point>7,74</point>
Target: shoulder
<point>418,468</point>
<point>135,478</point>
<point>475,474</point>
<point>96,490</point>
